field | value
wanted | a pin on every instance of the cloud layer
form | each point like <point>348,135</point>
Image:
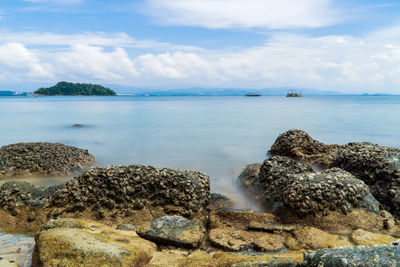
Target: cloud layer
<point>341,63</point>
<point>223,14</point>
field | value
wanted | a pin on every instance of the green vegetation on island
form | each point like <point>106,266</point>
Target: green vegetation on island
<point>66,88</point>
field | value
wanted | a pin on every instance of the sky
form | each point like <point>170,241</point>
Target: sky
<point>348,46</point>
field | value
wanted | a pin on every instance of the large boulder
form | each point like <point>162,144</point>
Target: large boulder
<point>297,144</point>
<point>173,230</point>
<point>377,166</point>
<point>135,192</point>
<point>73,242</point>
<point>42,159</point>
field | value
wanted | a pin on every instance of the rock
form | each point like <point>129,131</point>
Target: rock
<point>249,180</point>
<point>270,263</point>
<point>296,186</point>
<point>313,238</point>
<point>238,218</point>
<point>77,125</point>
<point>42,159</point>
<point>297,144</point>
<point>73,242</point>
<point>173,230</point>
<point>358,256</point>
<point>271,227</point>
<point>233,239</point>
<point>137,193</point>
<point>218,201</point>
<point>16,250</point>
<point>126,227</point>
<point>377,166</point>
<point>365,238</point>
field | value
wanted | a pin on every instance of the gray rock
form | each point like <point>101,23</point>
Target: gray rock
<point>173,230</point>
<point>358,256</point>
<point>270,263</point>
<point>126,227</point>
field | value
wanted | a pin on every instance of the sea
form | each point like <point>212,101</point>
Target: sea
<point>216,135</point>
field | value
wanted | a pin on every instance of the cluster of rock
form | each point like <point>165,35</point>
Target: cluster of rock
<point>42,159</point>
<point>359,177</point>
<point>144,216</point>
<point>123,191</point>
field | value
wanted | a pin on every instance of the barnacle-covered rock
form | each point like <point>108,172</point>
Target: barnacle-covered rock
<point>297,144</point>
<point>42,159</point>
<point>135,191</point>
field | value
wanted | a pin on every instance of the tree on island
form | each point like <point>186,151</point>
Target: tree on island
<point>66,88</point>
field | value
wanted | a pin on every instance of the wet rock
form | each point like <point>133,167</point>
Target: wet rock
<point>249,179</point>
<point>218,201</point>
<point>90,244</point>
<point>77,125</point>
<point>313,238</point>
<point>126,227</point>
<point>16,250</point>
<point>270,263</point>
<point>137,192</point>
<point>238,218</point>
<point>297,144</point>
<point>365,238</point>
<point>271,227</point>
<point>173,230</point>
<point>42,159</point>
<point>358,256</point>
<point>233,239</point>
<point>377,166</point>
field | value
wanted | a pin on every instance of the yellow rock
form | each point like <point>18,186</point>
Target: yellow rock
<point>74,242</point>
<point>365,238</point>
<point>313,238</point>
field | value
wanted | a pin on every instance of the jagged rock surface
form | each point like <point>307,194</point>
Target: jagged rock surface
<point>42,159</point>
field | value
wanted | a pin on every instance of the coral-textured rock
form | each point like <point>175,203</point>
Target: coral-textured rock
<point>72,242</point>
<point>218,201</point>
<point>297,144</point>
<point>135,191</point>
<point>42,159</point>
<point>173,230</point>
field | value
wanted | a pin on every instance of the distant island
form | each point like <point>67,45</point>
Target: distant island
<point>66,88</point>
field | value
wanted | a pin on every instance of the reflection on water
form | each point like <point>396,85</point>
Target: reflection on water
<point>215,135</point>
<point>16,249</point>
<point>40,181</point>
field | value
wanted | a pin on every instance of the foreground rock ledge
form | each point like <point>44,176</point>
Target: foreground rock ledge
<point>42,159</point>
<point>133,194</point>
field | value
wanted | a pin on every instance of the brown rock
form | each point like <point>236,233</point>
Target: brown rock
<point>365,238</point>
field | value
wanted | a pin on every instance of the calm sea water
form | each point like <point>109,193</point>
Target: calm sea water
<point>214,135</point>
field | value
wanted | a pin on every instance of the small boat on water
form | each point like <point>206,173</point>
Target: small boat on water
<point>293,93</point>
<point>253,95</point>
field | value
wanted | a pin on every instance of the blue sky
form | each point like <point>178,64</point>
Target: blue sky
<point>347,46</point>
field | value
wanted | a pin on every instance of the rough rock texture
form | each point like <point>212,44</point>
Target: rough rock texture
<point>173,230</point>
<point>377,166</point>
<point>297,144</point>
<point>21,206</point>
<point>365,238</point>
<point>42,159</point>
<point>232,239</point>
<point>297,187</point>
<point>249,179</point>
<point>72,242</point>
<point>218,201</point>
<point>270,263</point>
<point>137,192</point>
<point>357,257</point>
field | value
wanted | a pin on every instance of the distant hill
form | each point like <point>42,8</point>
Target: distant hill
<point>66,88</point>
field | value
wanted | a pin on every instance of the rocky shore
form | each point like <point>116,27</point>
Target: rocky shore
<point>322,205</point>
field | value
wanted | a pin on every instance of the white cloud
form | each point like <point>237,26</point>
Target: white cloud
<point>217,14</point>
<point>341,63</point>
<point>17,62</point>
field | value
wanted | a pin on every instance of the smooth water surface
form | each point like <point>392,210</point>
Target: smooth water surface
<point>214,135</point>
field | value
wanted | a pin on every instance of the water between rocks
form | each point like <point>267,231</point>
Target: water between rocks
<point>16,249</point>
